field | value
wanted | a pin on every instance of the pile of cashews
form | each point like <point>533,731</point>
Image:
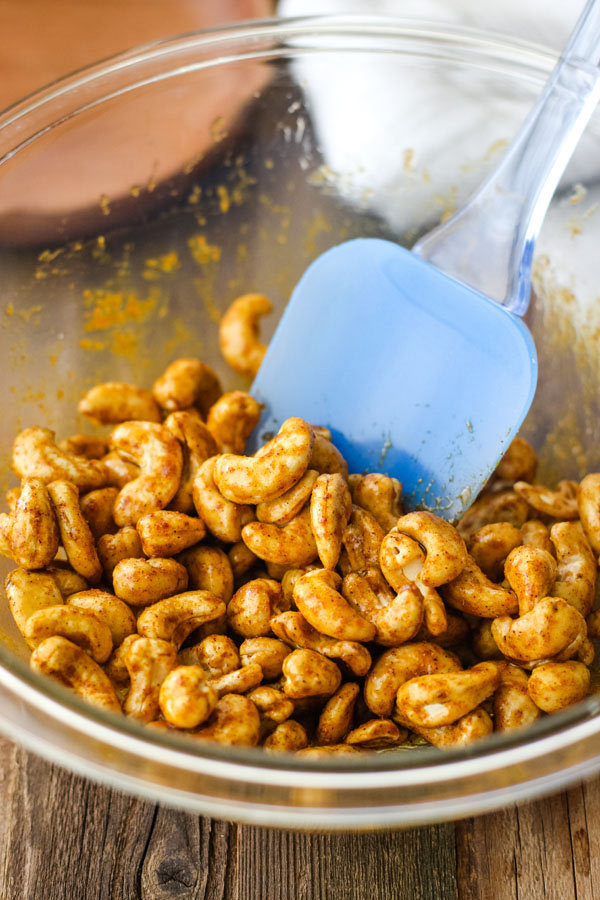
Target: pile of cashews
<point>276,600</point>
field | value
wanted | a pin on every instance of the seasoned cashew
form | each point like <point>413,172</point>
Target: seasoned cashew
<point>29,592</point>
<point>335,720</point>
<point>376,734</point>
<point>546,631</point>
<point>560,504</point>
<point>148,660</point>
<point>307,673</point>
<point>160,459</point>
<point>288,737</point>
<point>380,495</point>
<point>290,578</point>
<point>440,699</point>
<point>232,419</point>
<point>330,510</point>
<point>216,654</point>
<point>108,609</point>
<point>277,466</point>
<point>268,652</point>
<point>577,569</point>
<point>76,537</point>
<point>240,681</point>
<point>97,509</point>
<point>166,532</point>
<point>174,618</point>
<point>557,685</point>
<point>119,472</point>
<point>68,581</point>
<point>289,545</point>
<point>317,597</point>
<point>397,617</point>
<point>34,531</point>
<point>325,456</point>
<point>283,509</point>
<point>272,704</point>
<point>208,569</point>
<point>112,548</point>
<point>234,720</point>
<point>396,666</point>
<point>187,382</point>
<point>293,628</point>
<point>472,727</point>
<point>503,506</point>
<point>490,545</point>
<point>197,445</point>
<point>473,593</point>
<point>241,559</point>
<point>445,551</point>
<point>402,561</point>
<point>484,645</point>
<point>77,625</point>
<point>535,534</point>
<point>6,523</point>
<point>588,505</point>
<point>92,446</point>
<point>362,540</point>
<point>239,333</point>
<point>36,455</point>
<point>115,401</point>
<point>531,574</point>
<point>115,666</point>
<point>519,462</point>
<point>457,631</point>
<point>186,697</point>
<point>250,609</point>
<point>143,581</point>
<point>513,707</point>
<point>72,667</point>
<point>222,517</point>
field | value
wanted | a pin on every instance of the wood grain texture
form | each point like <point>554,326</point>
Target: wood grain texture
<point>64,838</point>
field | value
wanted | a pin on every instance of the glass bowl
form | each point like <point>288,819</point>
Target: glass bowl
<point>140,196</point>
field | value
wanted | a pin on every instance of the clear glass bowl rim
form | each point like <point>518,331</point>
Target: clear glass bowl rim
<point>30,117</point>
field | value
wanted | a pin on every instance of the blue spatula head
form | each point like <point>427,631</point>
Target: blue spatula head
<point>415,374</point>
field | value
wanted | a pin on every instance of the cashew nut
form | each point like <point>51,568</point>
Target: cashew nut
<point>148,660</point>
<point>376,734</point>
<point>544,632</point>
<point>273,705</point>
<point>577,569</point>
<point>68,581</point>
<point>187,382</point>
<point>293,628</point>
<point>535,534</point>
<point>92,446</point>
<point>216,654</point>
<point>112,548</point>
<point>76,537</point>
<point>288,737</point>
<point>208,569</point>
<point>473,593</point>
<point>232,419</point>
<point>472,727</point>
<point>115,401</point>
<point>289,545</point>
<point>240,681</point>
<point>239,333</point>
<point>513,707</point>
<point>119,472</point>
<point>166,532</point>
<point>557,685</point>
<point>519,462</point>
<point>330,510</point>
<point>186,697</point>
<point>531,574</point>
<point>560,504</point>
<point>72,667</point>
<point>36,455</point>
<point>143,581</point>
<point>362,540</point>
<point>197,445</point>
<point>77,625</point>
<point>335,720</point>
<point>34,531</point>
<point>29,592</point>
<point>325,456</point>
<point>222,517</point>
<point>396,666</point>
<point>241,559</point>
<point>108,609</point>
<point>503,506</point>
<point>490,546</point>
<point>440,699</point>
<point>588,504</point>
<point>317,597</point>
<point>307,673</point>
<point>159,456</point>
<point>445,551</point>
<point>268,652</point>
<point>396,617</point>
<point>97,509</point>
<point>174,618</point>
<point>283,509</point>
<point>250,609</point>
<point>234,720</point>
<point>381,496</point>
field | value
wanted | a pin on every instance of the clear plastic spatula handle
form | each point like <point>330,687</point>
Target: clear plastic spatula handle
<point>489,243</point>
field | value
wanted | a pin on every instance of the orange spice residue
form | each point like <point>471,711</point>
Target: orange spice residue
<point>202,251</point>
<point>117,308</point>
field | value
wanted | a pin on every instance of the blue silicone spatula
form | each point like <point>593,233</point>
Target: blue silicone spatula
<point>418,361</point>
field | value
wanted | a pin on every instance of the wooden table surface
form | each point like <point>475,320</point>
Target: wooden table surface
<point>64,837</point>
